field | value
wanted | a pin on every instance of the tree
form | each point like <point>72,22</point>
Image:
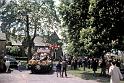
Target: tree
<point>108,21</point>
<point>2,3</point>
<point>74,15</point>
<point>7,17</point>
<point>86,41</point>
<point>29,18</point>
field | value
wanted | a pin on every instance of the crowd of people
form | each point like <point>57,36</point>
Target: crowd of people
<point>92,63</point>
<point>108,66</point>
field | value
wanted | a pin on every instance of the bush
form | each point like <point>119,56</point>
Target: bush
<point>15,51</point>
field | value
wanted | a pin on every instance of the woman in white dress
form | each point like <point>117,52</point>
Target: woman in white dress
<point>115,73</point>
<point>7,63</point>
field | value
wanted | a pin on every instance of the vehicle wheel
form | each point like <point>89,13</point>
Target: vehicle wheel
<point>32,71</point>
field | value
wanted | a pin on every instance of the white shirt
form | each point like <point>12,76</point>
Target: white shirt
<point>115,73</point>
<point>7,63</point>
<point>19,63</point>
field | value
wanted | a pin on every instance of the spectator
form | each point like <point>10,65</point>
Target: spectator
<point>118,63</point>
<point>89,63</point>
<point>75,63</point>
<point>85,63</point>
<point>64,68</point>
<point>80,62</point>
<point>72,64</point>
<point>108,64</point>
<point>115,73</point>
<point>94,66</point>
<point>103,68</point>
<point>58,68</point>
<point>19,66</point>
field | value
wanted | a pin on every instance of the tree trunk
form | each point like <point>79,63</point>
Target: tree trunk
<point>29,45</point>
<point>29,55</point>
<point>30,40</point>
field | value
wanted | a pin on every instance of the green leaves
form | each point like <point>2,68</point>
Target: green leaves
<point>42,16</point>
<point>2,3</point>
<point>93,25</point>
<point>74,16</point>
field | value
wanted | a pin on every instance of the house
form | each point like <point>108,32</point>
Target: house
<point>43,42</point>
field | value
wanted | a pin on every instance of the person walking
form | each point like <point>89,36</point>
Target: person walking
<point>64,68</point>
<point>19,66</point>
<point>115,73</point>
<point>103,68</point>
<point>94,66</point>
<point>58,68</point>
<point>85,63</point>
<point>7,63</point>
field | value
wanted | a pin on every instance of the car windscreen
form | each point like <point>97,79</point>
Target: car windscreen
<point>11,59</point>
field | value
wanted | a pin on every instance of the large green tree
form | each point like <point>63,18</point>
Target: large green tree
<point>29,18</point>
<point>86,36</point>
<point>108,21</point>
<point>74,15</point>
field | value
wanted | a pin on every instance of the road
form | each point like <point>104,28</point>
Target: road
<point>26,77</point>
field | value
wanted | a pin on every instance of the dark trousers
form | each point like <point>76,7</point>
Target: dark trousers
<point>19,68</point>
<point>58,72</point>
<point>103,71</point>
<point>64,71</point>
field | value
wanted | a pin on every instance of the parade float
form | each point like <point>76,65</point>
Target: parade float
<point>41,61</point>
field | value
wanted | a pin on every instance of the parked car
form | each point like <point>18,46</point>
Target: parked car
<point>13,62</point>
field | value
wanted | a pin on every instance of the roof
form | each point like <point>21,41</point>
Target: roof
<point>55,36</point>
<point>2,36</point>
<point>38,41</point>
<point>16,43</point>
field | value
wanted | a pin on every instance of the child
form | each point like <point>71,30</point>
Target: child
<point>58,68</point>
<point>19,66</point>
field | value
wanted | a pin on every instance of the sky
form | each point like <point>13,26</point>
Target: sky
<point>57,2</point>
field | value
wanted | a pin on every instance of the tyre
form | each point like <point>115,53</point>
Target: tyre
<point>33,71</point>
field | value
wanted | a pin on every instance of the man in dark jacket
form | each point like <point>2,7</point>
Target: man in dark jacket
<point>58,68</point>
<point>64,68</point>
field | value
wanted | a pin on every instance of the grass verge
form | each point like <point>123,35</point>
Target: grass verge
<point>88,75</point>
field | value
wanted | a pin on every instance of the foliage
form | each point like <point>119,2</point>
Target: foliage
<point>42,16</point>
<point>28,18</point>
<point>74,17</point>
<point>108,21</point>
<point>2,3</point>
<point>86,41</point>
<point>14,51</point>
<point>7,17</point>
<point>98,24</point>
<point>70,49</point>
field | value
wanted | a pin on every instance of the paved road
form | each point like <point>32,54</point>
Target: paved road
<point>25,77</point>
